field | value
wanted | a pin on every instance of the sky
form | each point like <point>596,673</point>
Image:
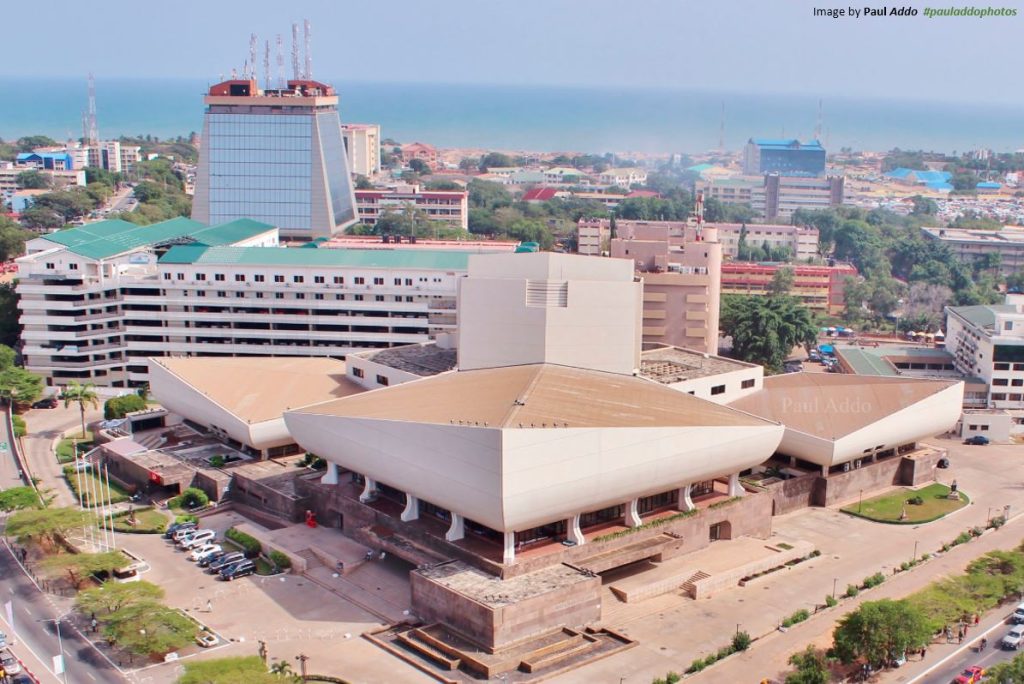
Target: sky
<point>725,45</point>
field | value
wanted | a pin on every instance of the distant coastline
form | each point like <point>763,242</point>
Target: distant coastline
<point>537,118</point>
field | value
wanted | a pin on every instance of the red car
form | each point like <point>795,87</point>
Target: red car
<point>971,675</point>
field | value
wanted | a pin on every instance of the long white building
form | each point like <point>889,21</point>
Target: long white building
<point>96,301</point>
<point>987,342</point>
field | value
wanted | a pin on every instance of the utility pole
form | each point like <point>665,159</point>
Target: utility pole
<point>302,658</point>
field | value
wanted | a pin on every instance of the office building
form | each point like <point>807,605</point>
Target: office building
<point>276,156</point>
<point>775,197</point>
<point>801,241</point>
<point>969,246</point>
<point>9,173</point>
<point>592,236</point>
<point>623,178</point>
<point>681,268</point>
<point>362,145</point>
<point>95,301</point>
<point>822,289</point>
<point>422,151</point>
<point>987,342</point>
<point>448,206</point>
<point>784,157</point>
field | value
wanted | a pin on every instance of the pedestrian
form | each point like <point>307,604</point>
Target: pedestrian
<point>24,554</point>
<point>977,618</point>
<point>94,624</point>
<point>209,606</point>
<point>960,637</point>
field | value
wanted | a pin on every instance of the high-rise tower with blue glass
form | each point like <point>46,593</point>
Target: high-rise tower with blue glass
<point>276,156</point>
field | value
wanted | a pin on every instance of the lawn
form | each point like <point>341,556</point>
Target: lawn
<point>90,483</point>
<point>889,507</point>
<point>66,448</point>
<point>147,521</point>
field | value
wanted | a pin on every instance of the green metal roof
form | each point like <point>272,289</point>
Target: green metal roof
<point>982,315</point>
<point>105,239</point>
<point>865,363</point>
<point>282,256</point>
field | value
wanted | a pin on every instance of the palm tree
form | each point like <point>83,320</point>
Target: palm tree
<point>82,395</point>
<point>283,669</point>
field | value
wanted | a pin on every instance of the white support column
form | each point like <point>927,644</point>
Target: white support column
<point>331,476</point>
<point>457,530</point>
<point>509,556</point>
<point>632,516</point>
<point>369,490</point>
<point>573,532</point>
<point>735,488</point>
<point>412,508</point>
<point>685,498</point>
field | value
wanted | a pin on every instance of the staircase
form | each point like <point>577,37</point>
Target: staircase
<point>312,560</point>
<point>688,586</point>
<point>151,441</point>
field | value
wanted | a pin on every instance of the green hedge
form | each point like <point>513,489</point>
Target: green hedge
<point>119,406</point>
<point>279,559</point>
<point>249,544</point>
<point>20,428</point>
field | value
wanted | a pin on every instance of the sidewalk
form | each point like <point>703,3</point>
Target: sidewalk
<point>45,426</point>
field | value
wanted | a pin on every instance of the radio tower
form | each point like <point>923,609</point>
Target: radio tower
<point>721,130</point>
<point>266,66</point>
<point>308,48</point>
<point>251,64</point>
<point>698,210</point>
<point>92,134</point>
<point>296,74</point>
<point>817,128</point>
<point>280,62</point>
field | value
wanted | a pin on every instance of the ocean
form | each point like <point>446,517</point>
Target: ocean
<point>512,118</point>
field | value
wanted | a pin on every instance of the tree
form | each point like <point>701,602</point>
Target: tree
<point>363,183</point>
<point>79,566</point>
<point>964,182</point>
<point>764,330</point>
<point>110,597</point>
<point>879,631</point>
<point>782,282</point>
<point>924,206</point>
<point>148,628</point>
<point>488,195</point>
<point>118,407</point>
<point>443,185</point>
<point>420,166</point>
<point>18,498</point>
<point>495,159</point>
<point>17,385</point>
<point>29,143</point>
<point>41,218</point>
<point>46,526</point>
<point>81,395</point>
<point>33,180</point>
<point>12,239</point>
<point>811,667</point>
<point>1011,672</point>
<point>236,670</point>
<point>924,305</point>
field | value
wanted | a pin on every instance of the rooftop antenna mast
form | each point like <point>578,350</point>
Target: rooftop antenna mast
<point>250,71</point>
<point>698,209</point>
<point>818,128</point>
<point>93,134</point>
<point>280,62</point>
<point>721,130</point>
<point>266,65</point>
<point>308,48</point>
<point>296,74</point>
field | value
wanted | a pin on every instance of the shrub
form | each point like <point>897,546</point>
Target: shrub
<point>815,553</point>
<point>963,538</point>
<point>193,497</point>
<point>118,407</point>
<point>711,659</point>
<point>994,523</point>
<point>976,531</point>
<point>831,601</point>
<point>852,590</point>
<point>925,556</point>
<point>696,666</point>
<point>249,544</point>
<point>873,580</point>
<point>724,652</point>
<point>217,461</point>
<point>20,428</point>
<point>672,677</point>
<point>915,501</point>
<point>905,565</point>
<point>282,561</point>
<point>741,641</point>
<point>795,618</point>
<point>186,518</point>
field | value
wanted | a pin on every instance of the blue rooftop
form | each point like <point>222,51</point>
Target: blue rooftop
<point>920,176</point>
<point>988,185</point>
<point>780,143</point>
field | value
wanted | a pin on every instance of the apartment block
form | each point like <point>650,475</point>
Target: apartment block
<point>801,241</point>
<point>776,197</point>
<point>9,173</point>
<point>987,342</point>
<point>970,246</point>
<point>449,206</point>
<point>788,157</point>
<point>362,145</point>
<point>95,301</point>
<point>820,288</point>
<point>592,236</point>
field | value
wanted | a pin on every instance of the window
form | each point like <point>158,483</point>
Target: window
<point>200,293</point>
<point>1017,382</point>
<point>181,276</point>
<point>408,299</point>
<point>279,279</point>
<point>1014,397</point>
<point>398,281</point>
<point>1002,366</point>
<point>300,295</point>
<point>339,297</point>
<point>318,295</point>
<point>359,280</point>
<point>222,293</point>
<point>319,280</point>
<point>972,427</point>
<point>279,295</point>
<point>718,389</point>
<point>999,396</point>
<point>259,295</point>
<point>408,281</point>
<point>378,281</point>
<point>999,382</point>
<point>200,276</point>
<point>1008,325</point>
<point>358,298</point>
<point>240,295</point>
<point>239,277</point>
<point>339,280</point>
<point>167,276</point>
<point>984,428</point>
<point>378,298</point>
<point>219,277</point>
<point>382,380</point>
<point>73,267</point>
<point>50,265</point>
<point>747,384</point>
<point>358,372</point>
<point>259,277</point>
<point>298,279</point>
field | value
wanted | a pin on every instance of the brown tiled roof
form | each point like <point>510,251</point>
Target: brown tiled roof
<point>259,388</point>
<point>537,396</point>
<point>830,405</point>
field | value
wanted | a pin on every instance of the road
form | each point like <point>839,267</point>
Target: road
<point>10,475</point>
<point>948,669</point>
<point>123,200</point>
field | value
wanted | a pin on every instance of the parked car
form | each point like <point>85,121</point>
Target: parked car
<point>217,564</point>
<point>1018,615</point>
<point>3,640</point>
<point>182,532</point>
<point>206,640</point>
<point>1011,641</point>
<point>128,574</point>
<point>174,527</point>
<point>971,675</point>
<point>977,440</point>
<point>203,550</point>
<point>236,570</point>
<point>10,664</point>
<point>46,403</point>
<point>196,538</point>
<point>943,463</point>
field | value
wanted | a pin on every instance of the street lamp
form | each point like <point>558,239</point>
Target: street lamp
<point>834,580</point>
<point>302,658</point>
<point>915,552</point>
<point>60,645</point>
